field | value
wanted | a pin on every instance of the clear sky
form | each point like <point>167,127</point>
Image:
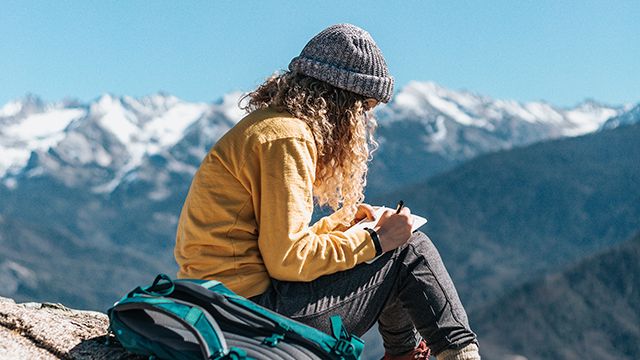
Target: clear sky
<point>558,51</point>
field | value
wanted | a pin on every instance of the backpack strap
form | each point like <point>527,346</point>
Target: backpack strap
<point>161,286</point>
<point>347,346</point>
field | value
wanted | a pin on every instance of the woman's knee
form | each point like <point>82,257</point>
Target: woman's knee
<point>420,243</point>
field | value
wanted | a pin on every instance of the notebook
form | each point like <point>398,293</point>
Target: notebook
<point>418,221</point>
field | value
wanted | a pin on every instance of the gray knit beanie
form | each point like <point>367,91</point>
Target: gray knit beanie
<point>346,57</point>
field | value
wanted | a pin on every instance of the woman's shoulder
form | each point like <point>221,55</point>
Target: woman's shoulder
<point>271,124</point>
<point>260,128</point>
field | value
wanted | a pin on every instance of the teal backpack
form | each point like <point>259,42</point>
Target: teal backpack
<point>200,319</point>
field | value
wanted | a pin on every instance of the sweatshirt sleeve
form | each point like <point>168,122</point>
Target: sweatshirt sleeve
<point>331,222</point>
<point>291,250</point>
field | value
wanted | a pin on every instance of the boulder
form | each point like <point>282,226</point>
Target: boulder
<point>53,331</point>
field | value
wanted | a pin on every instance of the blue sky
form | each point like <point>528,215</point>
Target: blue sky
<point>558,51</point>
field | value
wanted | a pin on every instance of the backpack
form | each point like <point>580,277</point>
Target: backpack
<point>200,319</point>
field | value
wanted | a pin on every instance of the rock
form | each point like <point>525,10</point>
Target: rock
<point>53,331</point>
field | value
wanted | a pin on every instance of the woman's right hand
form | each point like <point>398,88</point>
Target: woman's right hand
<point>394,229</point>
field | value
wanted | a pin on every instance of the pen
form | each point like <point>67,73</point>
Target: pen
<point>399,207</point>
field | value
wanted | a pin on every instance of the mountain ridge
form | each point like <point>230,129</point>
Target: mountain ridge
<point>447,127</point>
<point>596,296</point>
<point>495,217</point>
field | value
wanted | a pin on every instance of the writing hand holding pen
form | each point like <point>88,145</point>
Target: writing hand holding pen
<point>394,228</point>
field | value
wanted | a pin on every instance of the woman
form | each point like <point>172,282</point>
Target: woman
<point>246,218</point>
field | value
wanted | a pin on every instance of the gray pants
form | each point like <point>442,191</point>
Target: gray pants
<point>408,291</point>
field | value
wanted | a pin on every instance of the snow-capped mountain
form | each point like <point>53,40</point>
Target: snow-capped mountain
<point>112,139</point>
<point>451,117</point>
<point>97,144</point>
<point>427,129</point>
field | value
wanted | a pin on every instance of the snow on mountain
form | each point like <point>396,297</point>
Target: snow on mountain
<point>11,108</point>
<point>628,117</point>
<point>588,117</point>
<point>433,128</point>
<point>107,142</point>
<point>36,132</point>
<point>143,127</point>
<point>425,99</point>
<point>162,172</point>
<point>106,139</point>
<point>29,125</point>
<point>20,108</point>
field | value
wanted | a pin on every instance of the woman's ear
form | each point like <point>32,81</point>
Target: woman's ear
<point>370,103</point>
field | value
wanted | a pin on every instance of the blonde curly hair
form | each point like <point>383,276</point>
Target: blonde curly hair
<point>342,126</point>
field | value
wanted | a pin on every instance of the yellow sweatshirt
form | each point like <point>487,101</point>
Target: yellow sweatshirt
<point>246,217</point>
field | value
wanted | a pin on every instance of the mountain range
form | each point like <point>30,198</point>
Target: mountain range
<point>101,145</point>
<point>510,216</point>
<point>95,188</point>
<point>590,310</point>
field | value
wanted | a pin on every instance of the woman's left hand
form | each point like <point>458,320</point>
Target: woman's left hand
<point>364,211</point>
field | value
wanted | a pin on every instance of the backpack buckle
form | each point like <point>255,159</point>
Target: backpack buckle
<point>273,340</point>
<point>344,348</point>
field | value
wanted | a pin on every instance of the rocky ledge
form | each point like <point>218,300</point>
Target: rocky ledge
<point>53,331</point>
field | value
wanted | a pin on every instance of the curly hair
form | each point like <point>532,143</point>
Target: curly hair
<point>342,127</point>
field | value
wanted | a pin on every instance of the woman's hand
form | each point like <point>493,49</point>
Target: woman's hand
<point>394,229</point>
<point>364,211</point>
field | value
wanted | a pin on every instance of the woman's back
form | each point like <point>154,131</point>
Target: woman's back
<point>218,228</point>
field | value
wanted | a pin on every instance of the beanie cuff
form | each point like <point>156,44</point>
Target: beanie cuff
<point>370,86</point>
